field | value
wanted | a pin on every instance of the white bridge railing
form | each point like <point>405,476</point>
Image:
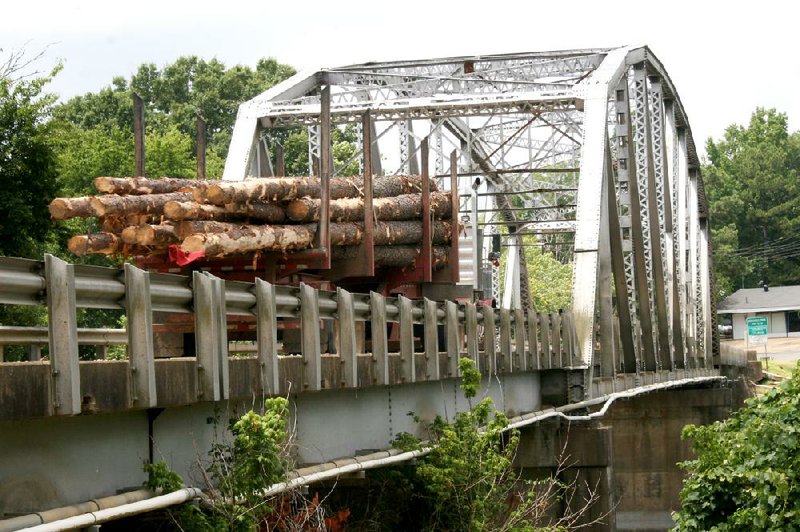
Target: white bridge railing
<point>499,340</point>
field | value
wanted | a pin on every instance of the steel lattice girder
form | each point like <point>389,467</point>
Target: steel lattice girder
<point>508,115</point>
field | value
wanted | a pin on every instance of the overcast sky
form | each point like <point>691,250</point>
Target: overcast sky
<point>725,58</point>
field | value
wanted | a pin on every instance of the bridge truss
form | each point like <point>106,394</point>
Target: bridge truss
<point>588,150</point>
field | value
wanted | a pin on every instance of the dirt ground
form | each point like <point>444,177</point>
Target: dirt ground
<point>780,349</point>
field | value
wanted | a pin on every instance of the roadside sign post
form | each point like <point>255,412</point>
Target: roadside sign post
<point>757,329</point>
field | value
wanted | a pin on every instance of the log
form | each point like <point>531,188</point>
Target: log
<point>142,185</point>
<point>128,235</point>
<point>191,210</point>
<point>66,208</point>
<point>388,233</point>
<point>152,204</point>
<point>160,235</point>
<point>250,238</point>
<point>289,188</point>
<point>342,234</point>
<point>393,256</point>
<point>191,227</point>
<point>94,243</point>
<point>402,207</point>
<point>117,224</point>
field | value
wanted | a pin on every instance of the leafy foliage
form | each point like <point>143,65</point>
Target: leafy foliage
<point>238,473</point>
<point>754,197</point>
<point>747,472</point>
<point>27,164</point>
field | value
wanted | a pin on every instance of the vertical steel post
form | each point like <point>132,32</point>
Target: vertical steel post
<point>431,340</point>
<point>408,370</point>
<point>201,148</point>
<point>426,256</point>
<point>471,328</point>
<point>533,342</point>
<point>453,337</point>
<point>519,363</point>
<point>139,311</point>
<point>309,331</point>
<point>62,327</point>
<point>455,204</point>
<point>206,333</point>
<point>490,339</point>
<point>380,341</point>
<point>323,231</point>
<point>138,135</point>
<point>368,242</point>
<point>280,161</point>
<point>347,338</point>
<point>267,337</point>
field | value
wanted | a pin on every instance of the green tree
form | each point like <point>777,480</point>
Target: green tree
<point>751,181</point>
<point>747,472</point>
<point>27,164</point>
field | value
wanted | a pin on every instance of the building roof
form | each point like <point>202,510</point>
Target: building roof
<point>746,300</point>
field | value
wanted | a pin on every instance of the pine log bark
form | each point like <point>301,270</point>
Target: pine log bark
<point>289,188</point>
<point>142,185</point>
<point>187,228</point>
<point>160,235</point>
<point>191,210</point>
<point>250,238</point>
<point>402,207</point>
<point>152,204</point>
<point>66,208</point>
<point>393,256</point>
<point>94,243</point>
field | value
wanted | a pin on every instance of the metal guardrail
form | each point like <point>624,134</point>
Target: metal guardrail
<point>514,339</point>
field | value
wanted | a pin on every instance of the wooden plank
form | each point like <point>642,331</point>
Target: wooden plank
<point>520,360</point>
<point>504,360</point>
<point>454,338</point>
<point>533,341</point>
<point>347,338</point>
<point>431,339</point>
<point>62,336</point>
<point>407,363</point>
<point>267,335</point>
<point>544,336</point>
<point>471,326</point>
<point>309,332</point>
<point>380,341</point>
<point>138,309</point>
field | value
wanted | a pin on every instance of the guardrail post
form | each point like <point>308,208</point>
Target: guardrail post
<point>267,337</point>
<point>471,328</point>
<point>138,308</point>
<point>555,323</point>
<point>63,336</point>
<point>34,353</point>
<point>431,340</point>
<point>408,369</point>
<point>222,338</point>
<point>544,333</point>
<point>453,338</point>
<point>347,338</point>
<point>533,342</point>
<point>489,334</point>
<point>206,334</point>
<point>380,340</point>
<point>519,339</point>
<point>505,340</point>
<point>309,329</point>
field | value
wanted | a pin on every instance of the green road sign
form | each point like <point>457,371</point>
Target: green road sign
<point>757,326</point>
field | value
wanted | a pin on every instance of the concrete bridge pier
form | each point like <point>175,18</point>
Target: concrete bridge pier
<point>629,456</point>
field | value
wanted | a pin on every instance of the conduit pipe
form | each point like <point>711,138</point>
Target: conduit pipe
<point>336,468</point>
<point>118,512</point>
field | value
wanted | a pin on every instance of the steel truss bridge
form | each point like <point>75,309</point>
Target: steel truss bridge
<point>588,152</point>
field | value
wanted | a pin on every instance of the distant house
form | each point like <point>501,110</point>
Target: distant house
<point>780,304</point>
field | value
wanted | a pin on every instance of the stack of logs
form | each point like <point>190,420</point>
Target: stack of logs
<point>144,217</point>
